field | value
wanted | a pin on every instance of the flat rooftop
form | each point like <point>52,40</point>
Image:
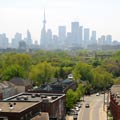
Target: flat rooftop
<point>41,116</point>
<point>35,97</point>
<point>15,106</point>
<point>115,89</point>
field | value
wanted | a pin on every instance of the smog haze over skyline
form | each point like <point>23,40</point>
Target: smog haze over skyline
<point>20,15</point>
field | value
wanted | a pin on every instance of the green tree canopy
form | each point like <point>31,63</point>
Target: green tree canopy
<point>82,71</point>
<point>116,81</point>
<point>41,73</point>
<point>13,71</point>
<point>70,98</point>
<point>101,78</point>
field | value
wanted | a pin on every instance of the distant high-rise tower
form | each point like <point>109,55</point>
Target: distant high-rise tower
<point>86,37</point>
<point>101,40</point>
<point>93,38</point>
<point>29,39</point>
<point>62,34</point>
<point>15,41</point>
<point>75,33</point>
<point>49,39</point>
<point>3,41</point>
<point>43,34</point>
<point>108,39</point>
<point>81,36</point>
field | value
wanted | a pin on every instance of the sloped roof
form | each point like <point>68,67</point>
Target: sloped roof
<point>48,87</point>
<point>9,84</point>
<point>20,81</point>
<point>2,86</point>
<point>67,81</point>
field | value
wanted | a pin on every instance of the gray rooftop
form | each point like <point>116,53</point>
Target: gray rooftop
<point>32,97</point>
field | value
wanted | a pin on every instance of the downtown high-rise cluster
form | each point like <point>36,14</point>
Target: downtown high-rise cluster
<point>78,38</point>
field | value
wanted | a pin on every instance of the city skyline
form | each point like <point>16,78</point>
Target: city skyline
<point>18,16</point>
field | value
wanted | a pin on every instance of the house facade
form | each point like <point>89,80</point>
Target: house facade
<point>115,102</point>
<point>7,89</point>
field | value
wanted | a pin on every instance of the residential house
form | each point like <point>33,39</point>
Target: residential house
<point>21,84</point>
<point>7,89</point>
<point>61,86</point>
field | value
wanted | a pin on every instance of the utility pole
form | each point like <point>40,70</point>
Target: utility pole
<point>104,101</point>
<point>108,95</point>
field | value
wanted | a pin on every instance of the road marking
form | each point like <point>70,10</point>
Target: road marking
<point>91,111</point>
<point>93,108</point>
<point>81,111</point>
<point>102,113</point>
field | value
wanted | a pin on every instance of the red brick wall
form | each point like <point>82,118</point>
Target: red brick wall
<point>1,96</point>
<point>115,108</point>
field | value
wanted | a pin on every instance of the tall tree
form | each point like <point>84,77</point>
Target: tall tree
<point>13,71</point>
<point>82,71</point>
<point>41,73</point>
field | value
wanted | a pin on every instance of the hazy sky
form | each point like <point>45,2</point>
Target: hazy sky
<point>20,15</point>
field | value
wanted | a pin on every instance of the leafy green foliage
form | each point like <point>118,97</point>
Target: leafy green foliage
<point>41,73</point>
<point>117,81</point>
<point>70,98</point>
<point>82,71</point>
<point>13,71</point>
<point>73,96</point>
<point>101,78</point>
<point>97,73</point>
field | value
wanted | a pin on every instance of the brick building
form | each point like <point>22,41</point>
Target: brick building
<point>115,102</point>
<point>53,104</point>
<point>18,110</point>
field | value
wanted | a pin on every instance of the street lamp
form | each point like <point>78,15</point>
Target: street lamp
<point>104,101</point>
<point>108,95</point>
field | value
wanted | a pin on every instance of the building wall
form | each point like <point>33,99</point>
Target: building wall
<point>1,95</point>
<point>20,89</point>
<point>26,114</point>
<point>114,107</point>
<point>55,109</point>
<point>8,92</point>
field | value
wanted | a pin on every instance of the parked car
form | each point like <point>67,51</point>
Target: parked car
<point>79,105</point>
<point>87,105</point>
<point>75,112</point>
<point>77,108</point>
<point>97,94</point>
<point>75,117</point>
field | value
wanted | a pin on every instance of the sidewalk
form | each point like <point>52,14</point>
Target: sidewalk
<point>103,113</point>
<point>69,117</point>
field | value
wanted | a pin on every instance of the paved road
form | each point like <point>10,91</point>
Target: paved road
<point>95,112</point>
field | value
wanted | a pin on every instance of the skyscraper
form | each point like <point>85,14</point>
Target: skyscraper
<point>86,37</point>
<point>29,39</point>
<point>49,39</point>
<point>81,35</point>
<point>93,38</point>
<point>103,40</point>
<point>75,33</point>
<point>43,34</point>
<point>109,39</point>
<point>62,35</point>
<point>16,40</point>
<point>3,41</point>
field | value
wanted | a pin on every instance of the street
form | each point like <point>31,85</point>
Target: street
<point>94,111</point>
